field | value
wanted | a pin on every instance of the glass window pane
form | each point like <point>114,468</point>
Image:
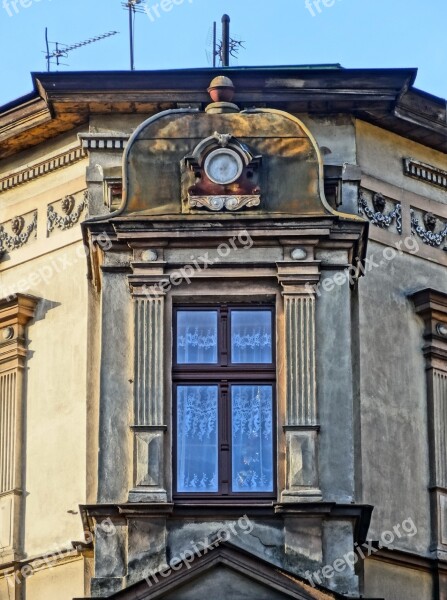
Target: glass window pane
<point>197,337</point>
<point>197,415</point>
<point>251,336</point>
<point>252,434</point>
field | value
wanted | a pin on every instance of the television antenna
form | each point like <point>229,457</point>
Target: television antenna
<point>133,6</point>
<point>212,52</point>
<point>62,50</point>
<point>219,51</point>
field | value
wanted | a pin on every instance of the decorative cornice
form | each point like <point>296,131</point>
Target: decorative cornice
<point>103,141</point>
<point>50,165</point>
<point>427,173</point>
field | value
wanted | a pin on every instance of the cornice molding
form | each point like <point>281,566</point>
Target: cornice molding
<point>40,169</point>
<point>426,173</point>
<point>384,97</point>
<point>103,141</point>
<point>18,117</point>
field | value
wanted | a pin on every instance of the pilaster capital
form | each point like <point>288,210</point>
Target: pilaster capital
<point>15,313</point>
<point>298,278</point>
<point>149,281</point>
<point>17,310</point>
<point>431,306</point>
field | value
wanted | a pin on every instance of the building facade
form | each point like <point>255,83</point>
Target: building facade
<point>224,336</point>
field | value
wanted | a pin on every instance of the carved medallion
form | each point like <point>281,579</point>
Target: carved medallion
<point>67,205</point>
<point>17,225</point>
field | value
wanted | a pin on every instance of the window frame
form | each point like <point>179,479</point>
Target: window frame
<point>224,374</point>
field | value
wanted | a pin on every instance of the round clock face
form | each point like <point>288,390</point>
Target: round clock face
<point>223,166</point>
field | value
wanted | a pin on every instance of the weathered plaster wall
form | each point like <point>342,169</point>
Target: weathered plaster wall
<point>55,421</point>
<point>53,268</point>
<point>335,392</point>
<point>116,396</point>
<point>335,136</point>
<point>380,153</point>
<point>63,582</point>
<point>395,583</point>
<point>394,473</point>
<point>393,394</point>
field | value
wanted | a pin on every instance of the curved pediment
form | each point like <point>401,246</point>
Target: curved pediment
<point>258,162</point>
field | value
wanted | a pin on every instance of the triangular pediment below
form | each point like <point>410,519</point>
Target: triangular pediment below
<point>227,572</point>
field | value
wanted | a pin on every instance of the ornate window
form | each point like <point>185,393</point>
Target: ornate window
<point>224,395</point>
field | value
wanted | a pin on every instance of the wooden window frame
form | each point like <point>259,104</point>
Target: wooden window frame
<point>224,374</point>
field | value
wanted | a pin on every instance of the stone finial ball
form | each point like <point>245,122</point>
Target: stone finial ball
<point>221,89</point>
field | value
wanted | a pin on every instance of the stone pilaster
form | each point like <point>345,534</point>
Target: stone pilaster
<point>149,427</point>
<point>300,343</point>
<point>431,306</point>
<point>14,316</point>
<point>301,419</point>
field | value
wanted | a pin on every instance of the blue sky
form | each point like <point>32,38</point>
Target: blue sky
<point>355,33</point>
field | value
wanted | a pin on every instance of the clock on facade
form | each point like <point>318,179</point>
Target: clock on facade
<point>223,166</point>
<point>222,174</point>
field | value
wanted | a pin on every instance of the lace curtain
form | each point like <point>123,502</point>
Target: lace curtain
<point>197,337</point>
<point>251,337</point>
<point>252,433</point>
<point>197,438</point>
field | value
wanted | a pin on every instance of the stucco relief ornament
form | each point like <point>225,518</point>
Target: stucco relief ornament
<point>20,235</point>
<point>377,216</point>
<point>71,213</point>
<point>428,234</point>
<point>223,139</point>
<point>17,225</point>
<point>217,203</point>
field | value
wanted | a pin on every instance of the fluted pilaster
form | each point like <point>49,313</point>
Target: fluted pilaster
<point>301,418</point>
<point>14,316</point>
<point>149,427</point>
<point>300,344</point>
<point>149,389</point>
<point>439,408</point>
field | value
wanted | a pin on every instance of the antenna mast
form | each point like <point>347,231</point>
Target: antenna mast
<point>132,7</point>
<point>226,47</point>
<point>62,50</point>
<point>225,41</point>
<point>215,51</point>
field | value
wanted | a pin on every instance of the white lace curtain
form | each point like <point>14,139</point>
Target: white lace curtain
<point>251,337</point>
<point>252,438</point>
